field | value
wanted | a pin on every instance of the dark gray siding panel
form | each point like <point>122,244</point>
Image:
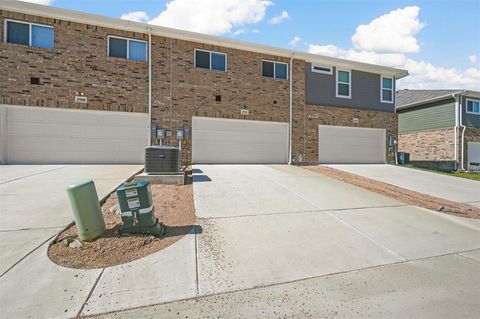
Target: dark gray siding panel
<point>320,90</point>
<point>429,116</point>
<point>468,119</point>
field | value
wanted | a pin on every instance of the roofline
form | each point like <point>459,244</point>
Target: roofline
<point>439,98</point>
<point>113,23</point>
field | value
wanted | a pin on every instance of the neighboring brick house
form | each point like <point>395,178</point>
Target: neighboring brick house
<point>440,128</point>
<point>238,101</point>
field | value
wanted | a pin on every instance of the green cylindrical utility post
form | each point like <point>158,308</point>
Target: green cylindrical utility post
<point>87,212</point>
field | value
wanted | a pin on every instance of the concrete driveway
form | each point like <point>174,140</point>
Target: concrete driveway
<point>277,238</point>
<point>448,187</point>
<point>268,225</point>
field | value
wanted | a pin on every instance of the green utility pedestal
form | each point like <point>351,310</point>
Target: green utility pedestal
<point>87,212</point>
<point>136,205</point>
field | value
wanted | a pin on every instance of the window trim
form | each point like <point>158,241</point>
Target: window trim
<point>128,47</point>
<point>210,59</point>
<point>322,66</point>
<point>349,84</point>
<point>274,69</point>
<point>466,105</point>
<point>30,24</point>
<point>392,89</point>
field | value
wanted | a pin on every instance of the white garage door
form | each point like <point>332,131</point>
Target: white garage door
<point>350,145</point>
<point>37,135</point>
<point>473,152</point>
<point>223,141</point>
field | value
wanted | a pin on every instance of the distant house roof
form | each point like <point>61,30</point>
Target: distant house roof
<point>409,98</point>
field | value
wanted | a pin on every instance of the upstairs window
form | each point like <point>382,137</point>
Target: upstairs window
<point>276,70</point>
<point>344,87</point>
<point>210,60</point>
<point>130,49</point>
<point>31,34</point>
<point>321,69</point>
<point>473,106</point>
<point>386,89</point>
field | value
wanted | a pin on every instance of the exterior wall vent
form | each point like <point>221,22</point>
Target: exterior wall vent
<point>162,160</point>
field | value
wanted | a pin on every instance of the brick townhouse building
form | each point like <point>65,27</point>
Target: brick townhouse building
<point>80,88</point>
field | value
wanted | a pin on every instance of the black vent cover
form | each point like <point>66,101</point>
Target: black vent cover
<point>162,160</point>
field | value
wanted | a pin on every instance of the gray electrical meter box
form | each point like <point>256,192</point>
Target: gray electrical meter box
<point>186,131</point>
<point>153,132</point>
<point>160,133</point>
<point>179,134</point>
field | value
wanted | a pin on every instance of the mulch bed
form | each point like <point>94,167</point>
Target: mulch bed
<point>174,207</point>
<point>401,194</point>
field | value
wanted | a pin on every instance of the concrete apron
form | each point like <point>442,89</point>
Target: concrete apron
<point>315,226</point>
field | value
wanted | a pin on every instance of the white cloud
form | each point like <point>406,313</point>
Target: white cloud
<point>424,75</point>
<point>473,58</point>
<point>239,31</point>
<point>279,19</point>
<point>255,31</point>
<point>329,49</point>
<point>211,16</point>
<point>392,32</point>
<point>137,16</point>
<point>387,59</point>
<point>45,2</point>
<point>295,40</point>
<point>372,45</point>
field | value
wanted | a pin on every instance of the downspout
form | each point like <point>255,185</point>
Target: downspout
<point>149,86</point>
<point>462,166</point>
<point>290,130</point>
<point>455,137</point>
<point>397,140</point>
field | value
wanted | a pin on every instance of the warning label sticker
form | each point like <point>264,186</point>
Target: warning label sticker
<point>131,192</point>
<point>133,203</point>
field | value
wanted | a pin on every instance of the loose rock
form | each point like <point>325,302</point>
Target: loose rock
<point>76,244</point>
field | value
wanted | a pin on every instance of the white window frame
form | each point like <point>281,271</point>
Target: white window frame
<point>322,66</point>
<point>274,73</point>
<point>466,106</point>
<point>128,47</point>
<point>210,59</point>
<point>349,84</point>
<point>30,24</point>
<point>382,88</point>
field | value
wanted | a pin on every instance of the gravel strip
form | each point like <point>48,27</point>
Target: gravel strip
<point>401,194</point>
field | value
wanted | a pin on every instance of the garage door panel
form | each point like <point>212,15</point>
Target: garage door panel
<point>240,137</point>
<point>473,152</point>
<point>225,141</point>
<point>63,136</point>
<point>347,145</point>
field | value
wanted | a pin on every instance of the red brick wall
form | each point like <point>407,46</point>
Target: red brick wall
<point>435,145</point>
<point>79,63</point>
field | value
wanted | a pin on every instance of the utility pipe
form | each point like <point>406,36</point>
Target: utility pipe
<point>290,111</point>
<point>149,86</point>
<point>462,166</point>
<point>455,137</point>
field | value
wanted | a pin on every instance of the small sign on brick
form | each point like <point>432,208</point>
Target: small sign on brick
<point>244,112</point>
<point>81,99</point>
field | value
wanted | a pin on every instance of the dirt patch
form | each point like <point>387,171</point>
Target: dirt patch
<point>174,207</point>
<point>401,194</point>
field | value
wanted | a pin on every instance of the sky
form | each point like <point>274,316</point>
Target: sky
<point>437,41</point>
